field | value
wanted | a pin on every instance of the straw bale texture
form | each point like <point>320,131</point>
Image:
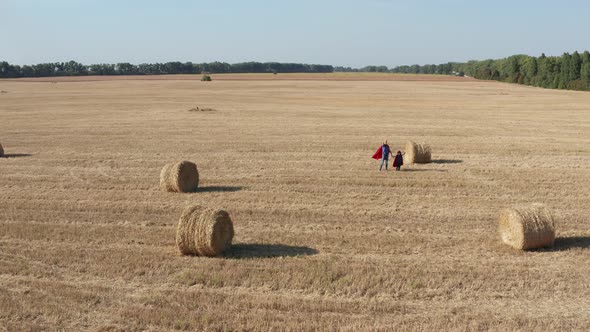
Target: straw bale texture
<point>417,153</point>
<point>204,232</point>
<point>180,177</point>
<point>527,227</point>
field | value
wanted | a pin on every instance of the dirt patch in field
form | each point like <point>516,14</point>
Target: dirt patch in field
<point>202,109</point>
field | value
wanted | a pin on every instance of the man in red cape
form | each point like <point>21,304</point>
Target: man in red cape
<point>383,153</point>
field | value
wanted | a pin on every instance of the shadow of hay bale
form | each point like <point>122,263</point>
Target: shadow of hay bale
<point>255,250</point>
<point>208,189</point>
<point>16,155</point>
<point>447,161</point>
<point>571,242</point>
<point>422,170</point>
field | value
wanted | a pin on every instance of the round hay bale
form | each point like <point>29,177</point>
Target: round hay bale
<point>182,177</point>
<point>417,153</point>
<point>1,150</point>
<point>204,232</point>
<point>527,227</point>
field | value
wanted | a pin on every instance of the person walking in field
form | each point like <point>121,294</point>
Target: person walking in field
<point>383,153</point>
<point>398,161</point>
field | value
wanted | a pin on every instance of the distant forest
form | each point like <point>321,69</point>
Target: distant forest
<point>569,71</point>
<point>73,68</point>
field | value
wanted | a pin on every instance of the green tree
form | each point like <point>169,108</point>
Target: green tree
<point>530,69</point>
<point>564,74</point>
<point>575,65</point>
<point>585,69</point>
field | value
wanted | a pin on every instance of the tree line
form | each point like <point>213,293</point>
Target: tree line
<point>73,68</point>
<point>442,69</point>
<point>568,71</point>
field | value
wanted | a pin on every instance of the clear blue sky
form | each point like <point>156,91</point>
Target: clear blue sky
<point>337,32</point>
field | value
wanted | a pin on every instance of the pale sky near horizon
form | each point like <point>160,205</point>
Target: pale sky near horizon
<point>340,33</point>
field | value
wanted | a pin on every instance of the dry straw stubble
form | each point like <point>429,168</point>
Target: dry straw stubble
<point>203,231</point>
<point>527,227</point>
<point>418,153</point>
<point>179,177</point>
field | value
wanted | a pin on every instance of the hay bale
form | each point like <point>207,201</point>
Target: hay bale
<point>527,227</point>
<point>204,232</point>
<point>417,153</point>
<point>180,177</point>
<point>1,151</point>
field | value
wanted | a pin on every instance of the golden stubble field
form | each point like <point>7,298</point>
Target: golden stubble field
<point>323,240</point>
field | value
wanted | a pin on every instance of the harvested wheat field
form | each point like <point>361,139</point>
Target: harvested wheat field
<point>323,241</point>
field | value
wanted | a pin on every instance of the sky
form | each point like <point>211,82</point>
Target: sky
<point>336,32</point>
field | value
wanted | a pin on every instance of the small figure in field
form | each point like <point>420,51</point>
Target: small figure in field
<point>398,161</point>
<point>383,153</point>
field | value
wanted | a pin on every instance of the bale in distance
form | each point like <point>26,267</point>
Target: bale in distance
<point>418,153</point>
<point>180,177</point>
<point>527,227</point>
<point>203,231</point>
<point>1,150</point>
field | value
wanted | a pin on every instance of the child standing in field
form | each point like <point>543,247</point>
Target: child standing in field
<point>398,161</point>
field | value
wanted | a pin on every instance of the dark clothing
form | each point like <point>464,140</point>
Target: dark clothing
<point>384,161</point>
<point>398,161</point>
<point>385,151</point>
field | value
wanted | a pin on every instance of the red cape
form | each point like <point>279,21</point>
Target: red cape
<point>379,154</point>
